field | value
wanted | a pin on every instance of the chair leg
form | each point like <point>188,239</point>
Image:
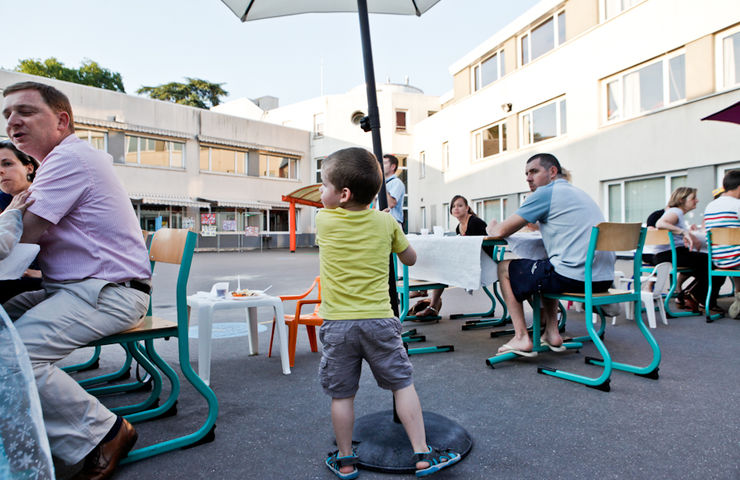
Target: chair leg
<point>647,301</point>
<point>311,330</point>
<point>661,309</point>
<point>292,340</point>
<point>272,337</point>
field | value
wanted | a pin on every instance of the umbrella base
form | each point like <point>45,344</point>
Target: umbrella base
<point>383,446</point>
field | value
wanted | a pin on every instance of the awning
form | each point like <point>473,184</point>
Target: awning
<point>247,145</point>
<point>253,204</point>
<point>129,127</point>
<point>730,114</point>
<point>308,195</point>
<point>174,200</point>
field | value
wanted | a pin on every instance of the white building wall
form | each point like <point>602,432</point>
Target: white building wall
<point>666,140</point>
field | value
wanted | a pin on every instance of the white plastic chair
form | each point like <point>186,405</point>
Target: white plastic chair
<point>658,278</point>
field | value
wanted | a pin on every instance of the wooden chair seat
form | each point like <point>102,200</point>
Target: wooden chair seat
<point>612,291</point>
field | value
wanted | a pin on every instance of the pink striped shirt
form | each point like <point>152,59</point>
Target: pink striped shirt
<point>94,231</point>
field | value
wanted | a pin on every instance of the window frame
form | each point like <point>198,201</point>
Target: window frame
<point>555,17</point>
<point>236,151</point>
<point>169,143</point>
<point>560,123</point>
<point>476,79</point>
<point>602,9</point>
<point>720,61</point>
<point>401,128</point>
<point>445,155</point>
<point>270,155</point>
<point>667,182</point>
<point>477,137</point>
<point>422,164</point>
<point>89,136</point>
<point>665,61</point>
<point>479,205</point>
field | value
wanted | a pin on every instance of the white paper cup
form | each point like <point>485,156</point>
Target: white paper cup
<point>424,231</point>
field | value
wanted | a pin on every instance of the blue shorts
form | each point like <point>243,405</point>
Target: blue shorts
<point>539,276</point>
<point>347,342</point>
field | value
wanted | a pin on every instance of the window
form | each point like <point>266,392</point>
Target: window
<point>400,120</point>
<point>423,215</point>
<point>422,164</point>
<point>278,221</point>
<point>489,70</point>
<point>646,88</point>
<point>612,8</point>
<point>318,125</point>
<point>154,152</point>
<point>445,156</point>
<point>492,209</point>
<point>318,169</point>
<point>215,159</point>
<point>543,38</point>
<point>96,138</point>
<point>634,199</point>
<point>446,213</point>
<point>278,166</point>
<point>728,58</point>
<point>543,122</point>
<point>490,140</point>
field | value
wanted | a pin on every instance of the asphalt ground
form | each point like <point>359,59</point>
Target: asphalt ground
<point>523,425</point>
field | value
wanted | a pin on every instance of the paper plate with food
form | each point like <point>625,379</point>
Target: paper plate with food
<point>245,293</point>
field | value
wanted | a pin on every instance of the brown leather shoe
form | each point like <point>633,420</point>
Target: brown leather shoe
<point>103,460</point>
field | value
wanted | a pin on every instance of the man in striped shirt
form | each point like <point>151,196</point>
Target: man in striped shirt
<point>724,212</point>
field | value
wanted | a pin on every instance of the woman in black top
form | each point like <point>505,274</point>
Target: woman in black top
<point>469,224</point>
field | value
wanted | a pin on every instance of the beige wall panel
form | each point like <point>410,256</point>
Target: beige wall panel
<point>462,83</point>
<point>580,15</point>
<point>510,55</point>
<point>700,67</point>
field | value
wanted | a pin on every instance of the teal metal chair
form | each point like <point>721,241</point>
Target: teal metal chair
<point>604,237</point>
<point>664,237</point>
<point>719,237</point>
<point>175,247</point>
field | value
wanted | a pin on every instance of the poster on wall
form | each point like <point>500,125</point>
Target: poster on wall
<point>208,230</point>
<point>252,232</point>
<point>208,219</point>
<point>228,226</point>
<point>188,223</point>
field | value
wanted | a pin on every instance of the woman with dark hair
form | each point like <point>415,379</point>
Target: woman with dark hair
<point>468,224</point>
<point>17,171</point>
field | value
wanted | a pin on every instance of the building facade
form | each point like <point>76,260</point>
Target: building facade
<point>614,88</point>
<point>185,167</point>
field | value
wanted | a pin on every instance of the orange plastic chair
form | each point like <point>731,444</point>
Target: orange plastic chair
<point>310,320</point>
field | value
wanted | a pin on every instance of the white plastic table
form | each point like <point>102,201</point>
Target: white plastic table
<point>205,305</point>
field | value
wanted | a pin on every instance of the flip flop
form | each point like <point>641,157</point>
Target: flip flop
<point>545,343</point>
<point>509,349</point>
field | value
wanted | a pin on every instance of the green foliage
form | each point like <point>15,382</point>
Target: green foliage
<point>196,93</point>
<point>89,73</point>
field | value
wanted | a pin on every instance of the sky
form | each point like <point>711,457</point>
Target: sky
<point>159,41</point>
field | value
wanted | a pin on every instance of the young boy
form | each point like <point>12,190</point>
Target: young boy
<point>354,246</point>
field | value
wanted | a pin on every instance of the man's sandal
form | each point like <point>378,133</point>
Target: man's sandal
<point>437,460</point>
<point>335,463</point>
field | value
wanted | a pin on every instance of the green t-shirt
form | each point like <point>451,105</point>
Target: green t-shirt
<point>354,248</point>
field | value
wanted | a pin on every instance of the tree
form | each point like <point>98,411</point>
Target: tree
<point>196,93</point>
<point>90,73</point>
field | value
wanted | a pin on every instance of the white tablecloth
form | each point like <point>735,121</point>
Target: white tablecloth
<point>459,261</point>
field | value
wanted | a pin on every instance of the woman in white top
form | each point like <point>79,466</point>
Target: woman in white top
<point>682,201</point>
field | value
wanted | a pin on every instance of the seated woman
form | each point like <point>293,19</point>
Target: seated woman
<point>17,171</point>
<point>682,201</point>
<point>469,224</point>
<point>11,223</point>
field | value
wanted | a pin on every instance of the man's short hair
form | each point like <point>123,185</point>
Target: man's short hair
<point>680,195</point>
<point>392,159</point>
<point>731,180</point>
<point>55,99</point>
<point>356,169</point>
<point>547,160</point>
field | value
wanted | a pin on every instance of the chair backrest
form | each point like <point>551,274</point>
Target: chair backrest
<point>168,245</point>
<point>657,237</point>
<point>725,236</point>
<point>618,237</point>
<point>661,273</point>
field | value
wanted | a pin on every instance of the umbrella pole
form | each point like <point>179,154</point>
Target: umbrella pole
<point>374,118</point>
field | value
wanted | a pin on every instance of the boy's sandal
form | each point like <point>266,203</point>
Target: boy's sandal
<point>335,463</point>
<point>437,459</point>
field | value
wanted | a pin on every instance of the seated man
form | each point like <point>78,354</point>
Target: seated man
<point>724,212</point>
<point>96,273</point>
<point>565,215</point>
